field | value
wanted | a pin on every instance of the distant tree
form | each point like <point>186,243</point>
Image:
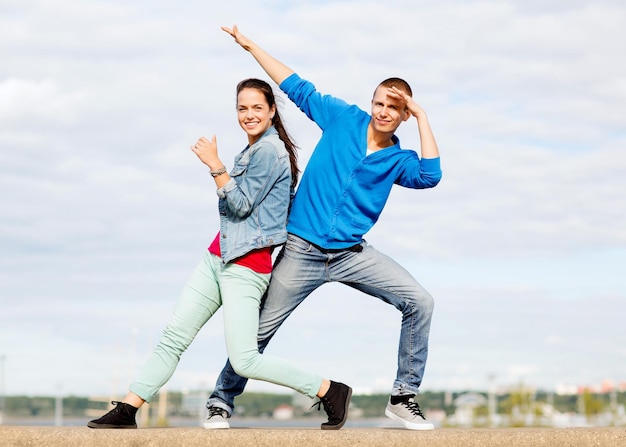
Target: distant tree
<point>260,404</point>
<point>593,404</point>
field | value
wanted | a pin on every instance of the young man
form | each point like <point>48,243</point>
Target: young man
<point>341,195</point>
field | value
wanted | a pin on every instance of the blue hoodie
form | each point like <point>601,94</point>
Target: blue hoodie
<point>343,190</point>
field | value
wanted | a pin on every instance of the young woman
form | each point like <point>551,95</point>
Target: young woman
<point>253,203</point>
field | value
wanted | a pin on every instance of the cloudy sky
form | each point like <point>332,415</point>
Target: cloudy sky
<point>104,210</point>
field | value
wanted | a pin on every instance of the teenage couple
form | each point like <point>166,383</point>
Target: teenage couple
<point>339,198</point>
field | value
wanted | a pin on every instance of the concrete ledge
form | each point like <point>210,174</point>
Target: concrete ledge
<point>271,437</point>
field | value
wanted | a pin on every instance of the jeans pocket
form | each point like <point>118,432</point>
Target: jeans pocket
<point>297,244</point>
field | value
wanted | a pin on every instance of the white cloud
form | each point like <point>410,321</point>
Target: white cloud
<point>23,100</point>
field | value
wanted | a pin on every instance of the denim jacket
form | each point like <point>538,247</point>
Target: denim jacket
<point>254,204</point>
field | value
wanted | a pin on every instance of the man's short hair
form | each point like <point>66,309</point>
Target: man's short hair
<point>398,83</point>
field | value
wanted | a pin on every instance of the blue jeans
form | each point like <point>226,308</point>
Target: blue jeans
<point>301,268</point>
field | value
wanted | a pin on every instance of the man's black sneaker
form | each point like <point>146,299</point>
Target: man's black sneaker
<point>404,409</point>
<point>122,416</point>
<point>336,403</point>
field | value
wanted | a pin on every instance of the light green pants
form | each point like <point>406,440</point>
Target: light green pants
<point>239,290</point>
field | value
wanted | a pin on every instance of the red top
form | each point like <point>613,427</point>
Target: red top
<point>259,260</point>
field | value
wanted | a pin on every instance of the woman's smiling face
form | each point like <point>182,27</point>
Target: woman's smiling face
<point>254,113</point>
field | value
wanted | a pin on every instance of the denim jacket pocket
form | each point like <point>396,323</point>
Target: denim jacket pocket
<point>238,169</point>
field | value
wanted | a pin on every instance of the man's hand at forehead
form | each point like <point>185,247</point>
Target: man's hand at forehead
<point>413,108</point>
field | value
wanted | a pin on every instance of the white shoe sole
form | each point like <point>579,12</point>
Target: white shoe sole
<point>409,425</point>
<point>216,425</point>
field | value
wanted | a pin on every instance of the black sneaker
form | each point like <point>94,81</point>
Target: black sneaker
<point>122,416</point>
<point>336,403</point>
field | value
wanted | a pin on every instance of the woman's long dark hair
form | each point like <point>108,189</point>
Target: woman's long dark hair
<point>277,122</point>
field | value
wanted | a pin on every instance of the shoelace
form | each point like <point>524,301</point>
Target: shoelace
<point>319,405</point>
<point>216,411</point>
<point>328,408</point>
<point>414,408</point>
